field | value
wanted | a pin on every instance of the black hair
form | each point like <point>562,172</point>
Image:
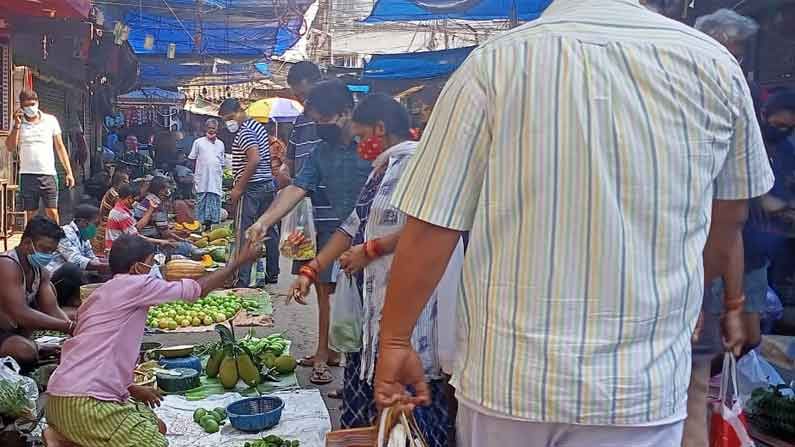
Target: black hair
<point>42,227</point>
<point>330,98</point>
<point>158,184</point>
<point>230,105</point>
<point>128,250</point>
<point>381,107</point>
<point>303,71</point>
<point>783,100</point>
<point>86,211</point>
<point>127,190</point>
<point>115,181</point>
<point>67,281</point>
<point>28,95</point>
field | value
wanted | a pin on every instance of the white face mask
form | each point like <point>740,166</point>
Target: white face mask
<point>31,111</point>
<point>232,126</point>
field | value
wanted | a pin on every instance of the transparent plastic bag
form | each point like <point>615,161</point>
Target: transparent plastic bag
<point>18,394</point>
<point>345,334</point>
<point>298,239</point>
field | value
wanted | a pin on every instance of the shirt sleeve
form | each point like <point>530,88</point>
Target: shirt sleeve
<point>442,185</point>
<point>746,173</point>
<point>247,139</point>
<point>157,291</point>
<point>309,177</point>
<point>351,225</point>
<point>194,151</point>
<point>56,127</point>
<point>71,253</point>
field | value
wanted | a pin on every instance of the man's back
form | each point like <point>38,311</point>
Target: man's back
<point>583,150</point>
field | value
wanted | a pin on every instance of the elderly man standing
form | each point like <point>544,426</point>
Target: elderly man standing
<point>208,153</point>
<point>138,165</point>
<point>37,136</point>
<point>591,153</point>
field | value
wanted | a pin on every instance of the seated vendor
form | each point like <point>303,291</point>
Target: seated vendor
<point>89,394</point>
<point>158,227</point>
<point>27,299</point>
<point>121,220</point>
<point>183,177</point>
<point>75,263</point>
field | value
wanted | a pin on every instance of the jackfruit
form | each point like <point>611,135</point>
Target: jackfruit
<point>214,364</point>
<point>227,373</point>
<point>247,370</point>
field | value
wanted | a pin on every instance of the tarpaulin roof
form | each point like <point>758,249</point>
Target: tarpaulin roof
<point>416,10</point>
<point>235,30</point>
<point>176,73</point>
<point>421,65</point>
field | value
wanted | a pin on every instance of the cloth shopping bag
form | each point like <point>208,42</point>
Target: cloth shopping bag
<point>728,424</point>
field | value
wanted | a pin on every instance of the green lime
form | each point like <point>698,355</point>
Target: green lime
<point>199,414</point>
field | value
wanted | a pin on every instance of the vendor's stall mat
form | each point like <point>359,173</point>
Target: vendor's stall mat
<point>210,387</point>
<point>304,418</point>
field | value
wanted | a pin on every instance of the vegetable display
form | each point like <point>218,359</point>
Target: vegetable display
<point>772,412</point>
<point>184,269</point>
<point>14,400</point>
<point>210,420</point>
<point>214,308</point>
<point>247,359</point>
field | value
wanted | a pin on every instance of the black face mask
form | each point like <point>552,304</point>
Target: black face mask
<point>775,134</point>
<point>330,133</point>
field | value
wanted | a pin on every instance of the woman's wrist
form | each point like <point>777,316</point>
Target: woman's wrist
<point>309,272</point>
<point>733,304</point>
<point>373,249</point>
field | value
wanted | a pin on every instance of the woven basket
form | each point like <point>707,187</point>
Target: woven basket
<point>88,289</point>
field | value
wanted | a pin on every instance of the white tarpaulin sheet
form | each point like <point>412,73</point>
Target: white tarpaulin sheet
<point>304,418</point>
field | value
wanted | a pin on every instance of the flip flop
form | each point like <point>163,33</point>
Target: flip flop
<point>309,362</point>
<point>321,375</point>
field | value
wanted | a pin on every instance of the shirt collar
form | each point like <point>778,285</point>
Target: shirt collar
<point>558,7</point>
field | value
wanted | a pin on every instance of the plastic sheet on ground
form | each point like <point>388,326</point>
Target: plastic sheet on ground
<point>304,418</point>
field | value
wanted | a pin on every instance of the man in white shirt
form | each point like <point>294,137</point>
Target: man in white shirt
<point>37,137</point>
<point>208,152</point>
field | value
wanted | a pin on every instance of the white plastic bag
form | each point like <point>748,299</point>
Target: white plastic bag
<point>447,306</point>
<point>298,238</point>
<point>399,430</point>
<point>18,394</point>
<point>754,372</point>
<point>345,333</point>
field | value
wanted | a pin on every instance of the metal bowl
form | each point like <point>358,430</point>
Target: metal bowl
<point>176,351</point>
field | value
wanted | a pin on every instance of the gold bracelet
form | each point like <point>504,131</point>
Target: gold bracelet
<point>734,304</point>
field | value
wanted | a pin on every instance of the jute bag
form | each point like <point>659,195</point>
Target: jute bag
<point>395,429</point>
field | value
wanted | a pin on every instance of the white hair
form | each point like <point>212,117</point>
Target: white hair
<point>211,122</point>
<point>725,25</point>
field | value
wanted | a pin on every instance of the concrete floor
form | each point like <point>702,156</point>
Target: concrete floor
<point>294,321</point>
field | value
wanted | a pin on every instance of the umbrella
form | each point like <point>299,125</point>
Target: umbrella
<point>274,108</point>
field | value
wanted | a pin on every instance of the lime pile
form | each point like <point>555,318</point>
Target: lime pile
<point>210,420</point>
<point>204,312</point>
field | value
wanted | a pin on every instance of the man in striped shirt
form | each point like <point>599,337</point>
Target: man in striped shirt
<point>253,190</point>
<point>303,138</point>
<point>595,154</point>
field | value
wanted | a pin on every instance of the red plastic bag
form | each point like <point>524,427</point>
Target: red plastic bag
<point>728,425</point>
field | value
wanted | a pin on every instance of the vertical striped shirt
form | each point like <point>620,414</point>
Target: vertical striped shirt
<point>583,151</point>
<point>252,133</point>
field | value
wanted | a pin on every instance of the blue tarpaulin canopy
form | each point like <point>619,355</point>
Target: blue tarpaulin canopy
<point>416,10</point>
<point>245,32</point>
<point>421,65</point>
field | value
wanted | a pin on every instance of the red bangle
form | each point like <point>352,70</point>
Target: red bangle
<point>308,272</point>
<point>734,304</point>
<point>372,249</point>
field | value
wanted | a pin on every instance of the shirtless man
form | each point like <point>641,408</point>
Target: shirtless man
<point>27,300</point>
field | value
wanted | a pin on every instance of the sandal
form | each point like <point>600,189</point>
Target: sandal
<point>309,362</point>
<point>321,375</point>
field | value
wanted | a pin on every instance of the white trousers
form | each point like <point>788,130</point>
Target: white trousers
<point>479,430</point>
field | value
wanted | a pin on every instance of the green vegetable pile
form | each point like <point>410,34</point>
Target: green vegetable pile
<point>14,400</point>
<point>772,412</point>
<point>210,420</point>
<point>272,441</point>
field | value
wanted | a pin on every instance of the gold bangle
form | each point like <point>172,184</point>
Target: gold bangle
<point>734,304</point>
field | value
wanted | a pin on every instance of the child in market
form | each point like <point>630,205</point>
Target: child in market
<point>89,395</point>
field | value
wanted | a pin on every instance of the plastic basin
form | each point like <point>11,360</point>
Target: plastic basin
<point>255,414</point>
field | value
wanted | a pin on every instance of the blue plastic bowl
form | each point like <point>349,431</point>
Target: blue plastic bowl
<point>255,414</point>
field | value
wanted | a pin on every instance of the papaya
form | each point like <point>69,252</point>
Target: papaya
<point>220,242</point>
<point>192,226</point>
<point>207,261</point>
<point>247,370</point>
<point>214,363</point>
<point>227,373</point>
<point>201,243</point>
